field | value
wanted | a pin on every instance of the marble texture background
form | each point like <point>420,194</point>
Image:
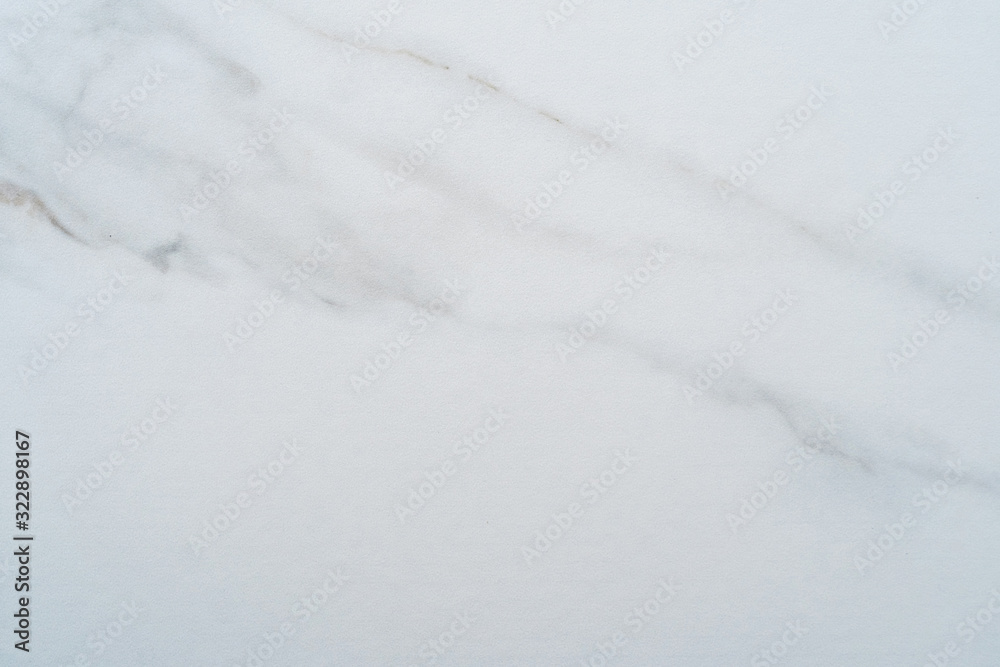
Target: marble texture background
<point>503,333</point>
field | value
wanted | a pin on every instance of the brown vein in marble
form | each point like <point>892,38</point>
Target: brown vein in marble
<point>14,195</point>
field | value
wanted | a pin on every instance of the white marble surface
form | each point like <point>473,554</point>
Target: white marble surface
<point>264,270</point>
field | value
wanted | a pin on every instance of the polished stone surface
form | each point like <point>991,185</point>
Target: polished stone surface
<point>520,333</point>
